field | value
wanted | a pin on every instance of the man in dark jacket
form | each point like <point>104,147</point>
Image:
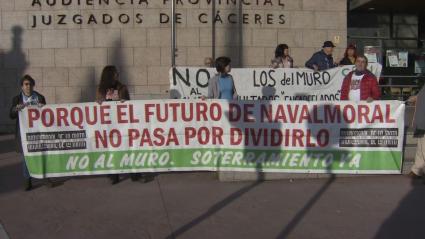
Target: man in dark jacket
<point>26,97</point>
<point>322,60</point>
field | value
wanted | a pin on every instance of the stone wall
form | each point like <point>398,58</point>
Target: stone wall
<point>66,52</point>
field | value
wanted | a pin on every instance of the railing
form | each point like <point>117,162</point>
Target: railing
<point>400,91</point>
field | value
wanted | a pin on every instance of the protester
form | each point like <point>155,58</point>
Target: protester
<point>208,62</point>
<point>350,56</point>
<point>222,86</point>
<point>111,89</point>
<point>322,60</point>
<point>418,100</point>
<point>360,84</point>
<point>27,97</point>
<point>282,58</point>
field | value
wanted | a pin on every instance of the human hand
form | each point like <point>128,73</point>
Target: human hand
<point>274,65</point>
<point>19,107</point>
<point>412,99</point>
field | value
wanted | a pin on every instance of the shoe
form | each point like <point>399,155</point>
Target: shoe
<point>115,178</point>
<point>147,177</point>
<point>135,176</point>
<point>28,184</point>
<point>49,183</point>
<point>413,175</point>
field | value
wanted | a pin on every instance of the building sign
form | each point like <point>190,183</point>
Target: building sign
<point>420,64</point>
<point>140,12</point>
<point>396,58</point>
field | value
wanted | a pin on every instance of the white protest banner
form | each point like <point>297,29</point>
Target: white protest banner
<point>213,135</point>
<point>266,84</point>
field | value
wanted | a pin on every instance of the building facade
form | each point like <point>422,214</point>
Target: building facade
<point>64,44</point>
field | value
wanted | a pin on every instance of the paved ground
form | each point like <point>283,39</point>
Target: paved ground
<point>196,205</point>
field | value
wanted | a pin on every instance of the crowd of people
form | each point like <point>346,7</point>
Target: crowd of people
<point>109,89</point>
<point>360,84</point>
<point>321,60</point>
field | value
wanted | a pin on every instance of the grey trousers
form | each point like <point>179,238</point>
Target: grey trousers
<point>419,165</point>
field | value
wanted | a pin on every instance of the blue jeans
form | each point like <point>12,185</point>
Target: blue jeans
<point>24,168</point>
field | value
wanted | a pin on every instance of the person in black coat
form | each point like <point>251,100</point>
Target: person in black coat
<point>350,56</point>
<point>111,89</point>
<point>26,97</point>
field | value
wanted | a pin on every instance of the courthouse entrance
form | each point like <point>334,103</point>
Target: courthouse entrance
<point>392,33</point>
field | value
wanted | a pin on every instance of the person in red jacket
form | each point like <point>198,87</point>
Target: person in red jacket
<point>360,84</point>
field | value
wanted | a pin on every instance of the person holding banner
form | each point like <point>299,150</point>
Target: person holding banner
<point>222,86</point>
<point>27,97</point>
<point>360,84</point>
<point>350,56</point>
<point>322,60</point>
<point>417,170</point>
<point>208,62</point>
<point>111,89</point>
<point>282,58</point>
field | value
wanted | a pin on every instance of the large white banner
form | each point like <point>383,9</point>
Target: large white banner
<point>266,84</point>
<point>213,135</point>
